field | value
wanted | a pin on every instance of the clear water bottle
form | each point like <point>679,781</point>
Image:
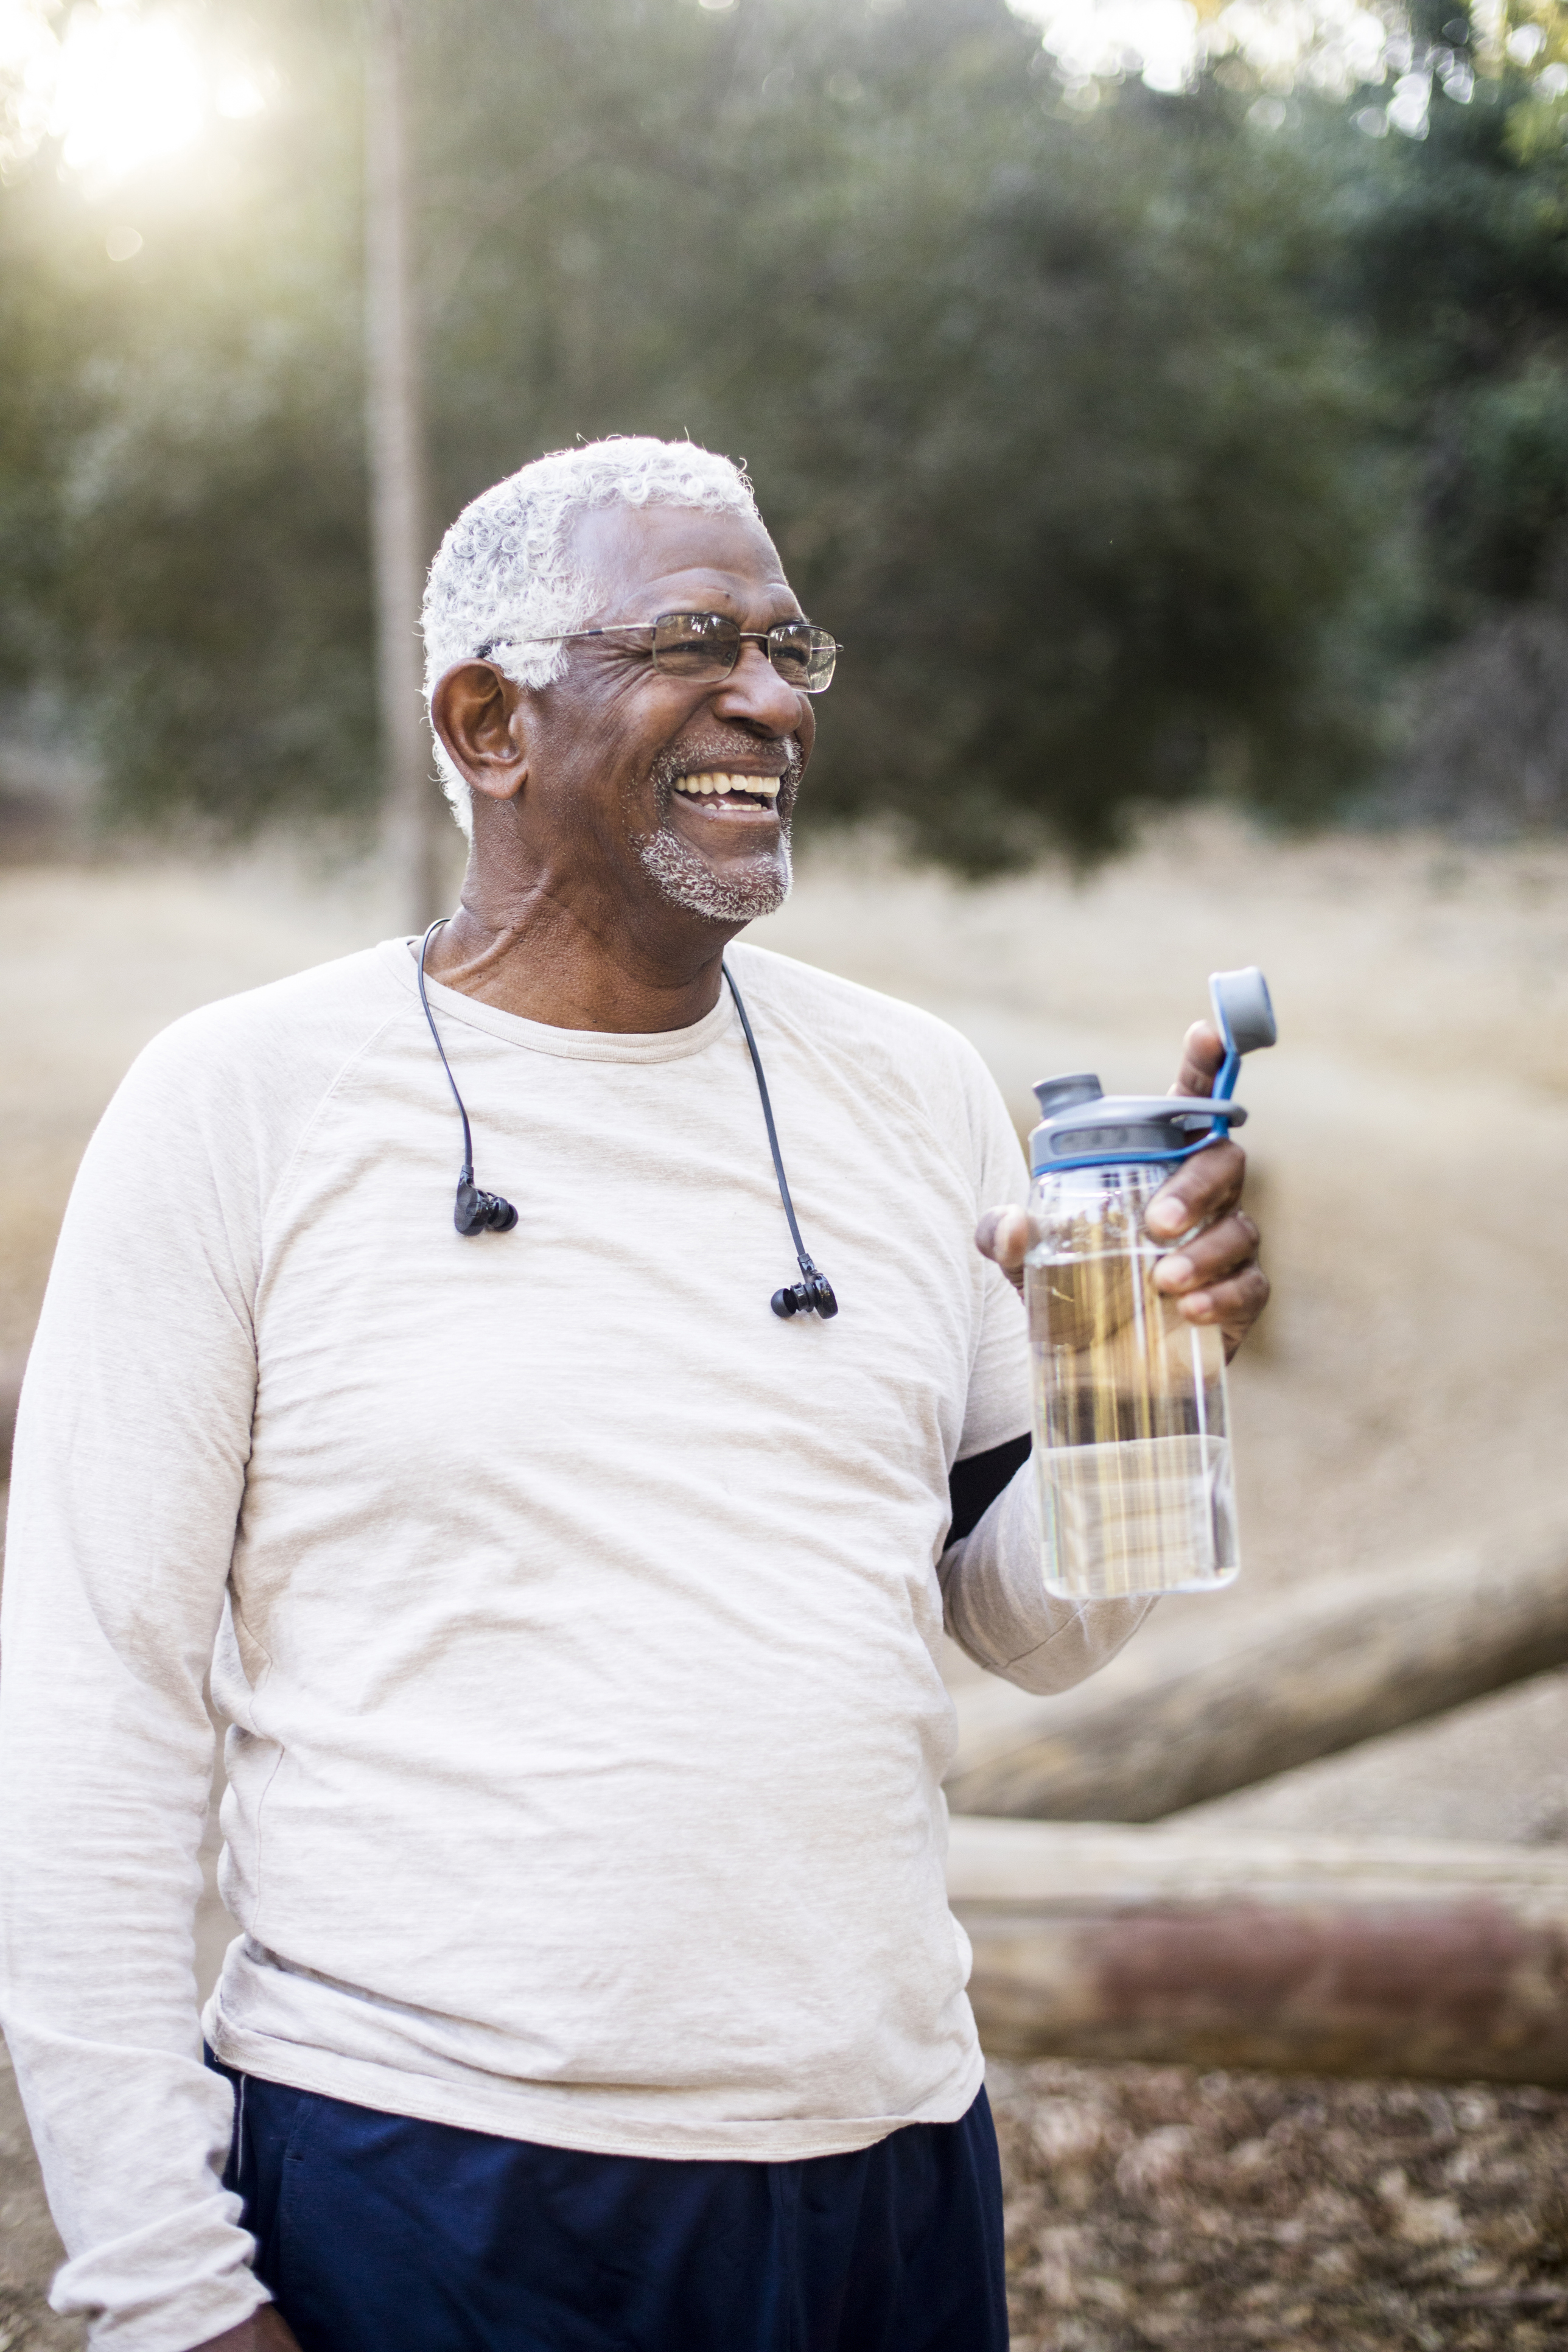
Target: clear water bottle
<point>1131,1416</point>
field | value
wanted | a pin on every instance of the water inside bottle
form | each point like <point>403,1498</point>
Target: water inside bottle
<point>1131,1442</point>
<point>1142,1514</point>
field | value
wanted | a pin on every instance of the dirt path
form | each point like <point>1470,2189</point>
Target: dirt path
<point>1154,2207</point>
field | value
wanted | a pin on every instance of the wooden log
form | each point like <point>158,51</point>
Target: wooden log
<point>1256,1691</point>
<point>1327,1956</point>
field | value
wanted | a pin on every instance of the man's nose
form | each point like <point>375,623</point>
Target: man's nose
<point>756,696</point>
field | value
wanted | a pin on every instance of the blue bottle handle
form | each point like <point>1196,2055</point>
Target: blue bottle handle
<point>1244,1015</point>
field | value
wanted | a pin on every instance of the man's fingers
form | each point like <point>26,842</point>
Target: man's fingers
<point>1202,1187</point>
<point>1220,1249</point>
<point>1003,1237</point>
<point>1203,1051</point>
<point>1234,1305</point>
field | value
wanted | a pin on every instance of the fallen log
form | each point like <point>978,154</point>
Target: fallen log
<point>1326,1956</point>
<point>1250,1692</point>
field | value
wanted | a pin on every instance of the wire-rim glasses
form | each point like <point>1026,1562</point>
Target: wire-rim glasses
<point>705,647</point>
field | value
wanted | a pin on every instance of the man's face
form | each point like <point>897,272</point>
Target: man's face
<point>694,783</point>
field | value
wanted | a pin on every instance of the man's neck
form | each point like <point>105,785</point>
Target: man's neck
<point>576,967</point>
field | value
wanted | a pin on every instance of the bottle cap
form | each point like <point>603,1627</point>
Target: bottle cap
<point>1119,1127</point>
<point>1078,1121</point>
<point>1059,1094</point>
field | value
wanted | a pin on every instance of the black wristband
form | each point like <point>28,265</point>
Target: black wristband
<point>974,1483</point>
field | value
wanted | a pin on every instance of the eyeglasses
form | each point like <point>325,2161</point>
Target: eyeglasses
<point>705,647</point>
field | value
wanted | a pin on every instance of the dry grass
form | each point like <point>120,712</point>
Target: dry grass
<point>93,962</point>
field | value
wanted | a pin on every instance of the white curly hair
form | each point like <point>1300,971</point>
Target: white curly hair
<point>503,573</point>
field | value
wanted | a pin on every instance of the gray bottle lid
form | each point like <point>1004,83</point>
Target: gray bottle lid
<point>1243,1009</point>
<point>1078,1120</point>
<point>1059,1094</point>
<point>1118,1127</point>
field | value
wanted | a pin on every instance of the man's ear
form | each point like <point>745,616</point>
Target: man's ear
<point>475,710</point>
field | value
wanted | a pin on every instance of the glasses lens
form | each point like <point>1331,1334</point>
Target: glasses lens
<point>801,655</point>
<point>696,644</point>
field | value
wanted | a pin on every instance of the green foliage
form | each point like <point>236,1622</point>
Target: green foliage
<point>1129,453</point>
<point>1456,260</point>
<point>182,532</point>
<point>1043,411</point>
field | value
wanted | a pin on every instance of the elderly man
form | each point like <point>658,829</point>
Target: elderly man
<point>575,1617</point>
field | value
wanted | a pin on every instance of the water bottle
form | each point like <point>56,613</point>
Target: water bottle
<point>1131,1417</point>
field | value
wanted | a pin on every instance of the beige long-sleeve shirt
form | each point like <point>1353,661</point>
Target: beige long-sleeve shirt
<point>575,1618</point>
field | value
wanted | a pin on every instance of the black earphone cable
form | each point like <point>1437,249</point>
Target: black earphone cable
<point>800,1249</point>
<point>486,1212</point>
<point>473,1211</point>
<point>440,925</point>
<point>814,1293</point>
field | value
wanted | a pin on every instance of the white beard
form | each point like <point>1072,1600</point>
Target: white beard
<point>683,877</point>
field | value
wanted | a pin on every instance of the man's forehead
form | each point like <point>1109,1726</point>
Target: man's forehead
<point>679,556</point>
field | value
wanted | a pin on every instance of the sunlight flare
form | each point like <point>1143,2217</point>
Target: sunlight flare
<point>120,86</point>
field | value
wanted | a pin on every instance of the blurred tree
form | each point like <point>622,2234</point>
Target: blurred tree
<point>182,533</point>
<point>1068,423</point>
<point>1454,259</point>
<point>1050,422</point>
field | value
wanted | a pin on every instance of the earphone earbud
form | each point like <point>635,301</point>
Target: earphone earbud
<point>481,1212</point>
<point>814,1296</point>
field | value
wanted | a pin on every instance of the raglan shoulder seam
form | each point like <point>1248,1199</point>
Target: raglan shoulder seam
<point>278,1192</point>
<point>966,1066</point>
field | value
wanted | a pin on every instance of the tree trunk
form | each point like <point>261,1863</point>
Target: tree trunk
<point>1267,1689</point>
<point>1322,1956</point>
<point>399,524</point>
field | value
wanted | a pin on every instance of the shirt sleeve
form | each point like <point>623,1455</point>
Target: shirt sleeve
<point>997,1408</point>
<point>132,1440</point>
<point>996,1607</point>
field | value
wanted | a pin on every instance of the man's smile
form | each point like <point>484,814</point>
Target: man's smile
<point>718,792</point>
<point>723,797</point>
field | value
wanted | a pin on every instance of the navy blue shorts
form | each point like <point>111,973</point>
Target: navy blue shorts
<point>380,2233</point>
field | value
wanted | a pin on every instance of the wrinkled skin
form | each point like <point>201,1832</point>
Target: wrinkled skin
<point>598,898</point>
<point>567,915</point>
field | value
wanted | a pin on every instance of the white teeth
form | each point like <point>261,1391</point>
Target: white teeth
<point>715,781</point>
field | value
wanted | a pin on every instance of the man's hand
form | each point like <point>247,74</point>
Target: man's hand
<point>1215,1277</point>
<point>264,2331</point>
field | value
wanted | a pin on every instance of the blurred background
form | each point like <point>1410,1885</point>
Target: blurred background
<point>1165,404</point>
<point>1186,387</point>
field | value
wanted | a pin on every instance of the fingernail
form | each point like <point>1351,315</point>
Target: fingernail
<point>1195,1305</point>
<point>1170,1272</point>
<point>1169,1216</point>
